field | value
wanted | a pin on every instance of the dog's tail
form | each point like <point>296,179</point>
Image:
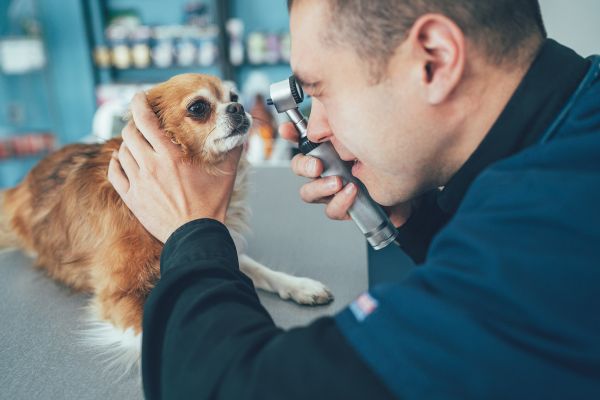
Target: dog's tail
<point>7,237</point>
<point>117,350</point>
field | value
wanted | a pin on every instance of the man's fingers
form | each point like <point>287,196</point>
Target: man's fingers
<point>307,166</point>
<point>117,177</point>
<point>340,204</point>
<point>128,163</point>
<point>148,125</point>
<point>135,142</point>
<point>317,191</point>
<point>289,132</point>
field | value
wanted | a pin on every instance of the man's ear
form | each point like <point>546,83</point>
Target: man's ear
<point>439,46</point>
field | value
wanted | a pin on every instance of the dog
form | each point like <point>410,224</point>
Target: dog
<point>68,216</point>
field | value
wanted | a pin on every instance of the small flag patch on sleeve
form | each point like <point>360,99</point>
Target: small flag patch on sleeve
<point>363,306</point>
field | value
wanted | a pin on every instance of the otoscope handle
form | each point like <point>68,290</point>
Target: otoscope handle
<point>368,215</point>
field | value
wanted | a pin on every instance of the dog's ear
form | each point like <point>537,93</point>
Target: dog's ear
<point>173,138</point>
<point>159,106</point>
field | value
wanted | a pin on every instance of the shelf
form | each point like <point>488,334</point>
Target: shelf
<point>97,12</point>
<point>264,65</point>
<point>153,74</point>
<point>174,68</point>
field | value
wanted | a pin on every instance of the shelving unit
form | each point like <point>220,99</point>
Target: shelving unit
<point>154,12</point>
<point>63,98</point>
<point>28,117</point>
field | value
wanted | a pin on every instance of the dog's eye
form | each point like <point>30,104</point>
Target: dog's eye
<point>199,108</point>
<point>234,97</point>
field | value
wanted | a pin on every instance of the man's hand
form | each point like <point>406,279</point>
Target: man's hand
<point>329,190</point>
<point>162,190</point>
<point>320,190</point>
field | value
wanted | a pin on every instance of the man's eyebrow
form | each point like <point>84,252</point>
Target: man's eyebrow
<point>305,83</point>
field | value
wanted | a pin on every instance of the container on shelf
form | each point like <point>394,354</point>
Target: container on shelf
<point>186,49</point>
<point>285,47</point>
<point>273,49</point>
<point>140,47</point>
<point>163,49</point>
<point>257,48</point>
<point>235,29</point>
<point>27,144</point>
<point>197,13</point>
<point>102,56</point>
<point>268,48</point>
<point>117,36</point>
<point>208,46</point>
<point>21,55</point>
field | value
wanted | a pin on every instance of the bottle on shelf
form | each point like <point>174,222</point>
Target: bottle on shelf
<point>268,48</point>
<point>120,51</point>
<point>208,46</point>
<point>235,29</point>
<point>163,49</point>
<point>186,50</point>
<point>140,46</point>
<point>257,48</point>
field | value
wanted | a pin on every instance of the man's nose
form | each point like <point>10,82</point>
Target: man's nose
<point>318,125</point>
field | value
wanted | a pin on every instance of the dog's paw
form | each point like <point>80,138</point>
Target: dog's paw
<point>307,291</point>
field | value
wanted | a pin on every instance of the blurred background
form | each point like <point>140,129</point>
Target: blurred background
<point>68,68</point>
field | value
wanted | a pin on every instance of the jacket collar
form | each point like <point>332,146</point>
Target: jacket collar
<point>552,78</point>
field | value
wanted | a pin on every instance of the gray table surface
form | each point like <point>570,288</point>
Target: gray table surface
<point>40,357</point>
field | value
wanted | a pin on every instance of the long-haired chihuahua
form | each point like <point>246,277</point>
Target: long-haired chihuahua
<point>67,214</point>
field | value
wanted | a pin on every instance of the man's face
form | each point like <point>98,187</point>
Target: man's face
<point>386,126</point>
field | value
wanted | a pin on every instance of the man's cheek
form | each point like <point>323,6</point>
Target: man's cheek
<point>341,148</point>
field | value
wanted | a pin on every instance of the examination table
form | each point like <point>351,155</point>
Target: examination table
<point>40,357</point>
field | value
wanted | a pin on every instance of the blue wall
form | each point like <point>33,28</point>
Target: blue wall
<point>71,73</point>
<point>266,16</point>
<point>262,14</point>
<point>156,12</point>
<point>59,99</point>
<point>21,92</point>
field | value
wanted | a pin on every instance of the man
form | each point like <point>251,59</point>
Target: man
<point>482,139</point>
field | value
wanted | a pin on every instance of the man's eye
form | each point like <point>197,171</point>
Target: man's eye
<point>234,97</point>
<point>199,108</point>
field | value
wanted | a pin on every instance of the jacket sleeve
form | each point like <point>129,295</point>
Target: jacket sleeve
<point>206,335</point>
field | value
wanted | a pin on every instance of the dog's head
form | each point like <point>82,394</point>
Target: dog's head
<point>202,114</point>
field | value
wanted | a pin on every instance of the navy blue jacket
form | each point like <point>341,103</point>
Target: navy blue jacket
<point>505,305</point>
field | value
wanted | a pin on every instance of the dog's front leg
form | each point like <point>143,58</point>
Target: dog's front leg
<point>301,290</point>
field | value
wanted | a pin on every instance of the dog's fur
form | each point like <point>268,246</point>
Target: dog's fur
<point>68,215</point>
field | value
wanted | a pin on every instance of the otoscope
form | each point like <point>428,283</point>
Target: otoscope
<point>368,215</point>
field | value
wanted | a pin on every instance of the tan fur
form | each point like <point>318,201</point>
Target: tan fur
<point>67,212</point>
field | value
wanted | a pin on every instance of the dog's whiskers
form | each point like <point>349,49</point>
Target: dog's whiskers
<point>260,119</point>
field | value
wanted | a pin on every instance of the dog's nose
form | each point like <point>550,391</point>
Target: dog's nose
<point>235,108</point>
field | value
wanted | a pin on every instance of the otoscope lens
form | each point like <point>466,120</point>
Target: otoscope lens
<point>299,89</point>
<point>296,89</point>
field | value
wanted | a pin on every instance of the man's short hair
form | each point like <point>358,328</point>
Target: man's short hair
<point>508,32</point>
